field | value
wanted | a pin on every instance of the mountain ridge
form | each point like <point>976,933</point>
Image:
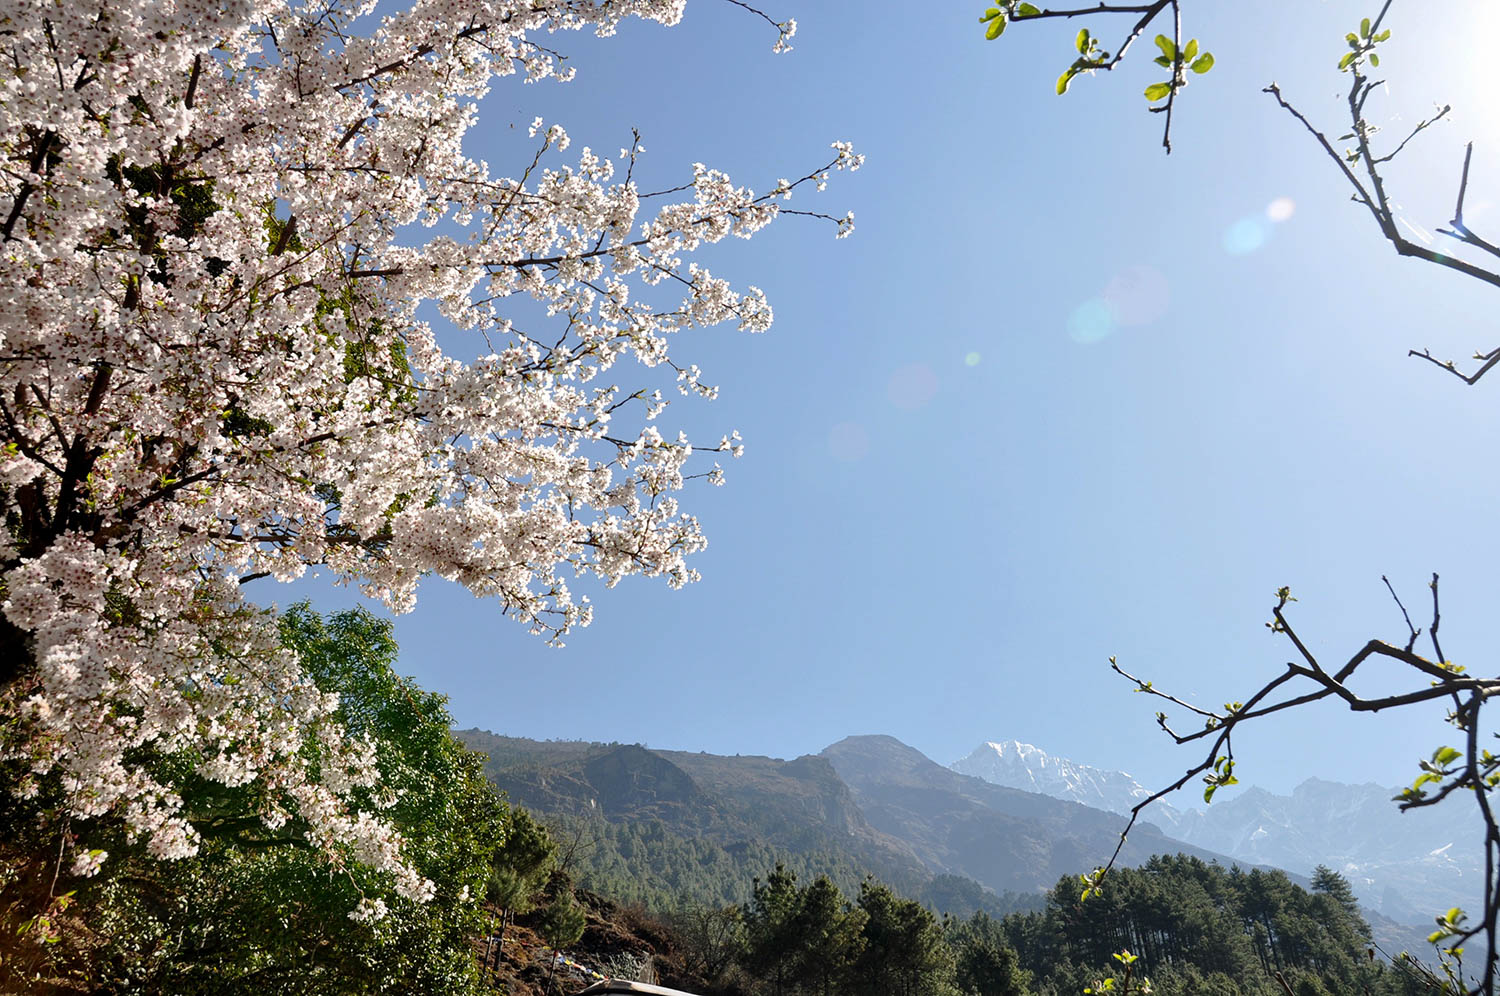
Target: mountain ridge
<point>1026,766</point>
<point>868,802</point>
<point>1402,865</point>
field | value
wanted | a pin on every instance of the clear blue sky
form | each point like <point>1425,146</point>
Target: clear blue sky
<point>962,492</point>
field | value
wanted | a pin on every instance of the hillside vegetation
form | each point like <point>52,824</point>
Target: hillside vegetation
<point>1194,928</point>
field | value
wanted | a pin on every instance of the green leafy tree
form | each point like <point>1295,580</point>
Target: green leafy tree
<point>1309,985</point>
<point>258,909</point>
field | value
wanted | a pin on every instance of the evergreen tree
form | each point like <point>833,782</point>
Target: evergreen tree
<point>563,920</point>
<point>771,924</point>
<point>905,954</point>
<point>831,937</point>
<point>1329,883</point>
<point>986,965</point>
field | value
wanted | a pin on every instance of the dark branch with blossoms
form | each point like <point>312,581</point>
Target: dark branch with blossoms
<point>217,365</point>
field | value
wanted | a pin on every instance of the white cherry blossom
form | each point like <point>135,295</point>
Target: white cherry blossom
<point>220,222</point>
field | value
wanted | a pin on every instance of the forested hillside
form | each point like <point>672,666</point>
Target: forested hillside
<point>668,829</point>
<point>1183,926</point>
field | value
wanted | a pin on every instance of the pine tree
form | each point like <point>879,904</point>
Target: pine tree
<point>831,935</point>
<point>771,930</point>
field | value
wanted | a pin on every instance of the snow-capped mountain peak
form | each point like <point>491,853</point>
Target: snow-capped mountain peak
<point>1402,863</point>
<point>1024,766</point>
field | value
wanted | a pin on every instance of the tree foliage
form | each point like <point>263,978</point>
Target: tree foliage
<point>1191,927</point>
<point>1182,59</point>
<point>1181,926</point>
<point>812,941</point>
<point>986,964</point>
<point>259,908</point>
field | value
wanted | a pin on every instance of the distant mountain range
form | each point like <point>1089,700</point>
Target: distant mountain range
<point>666,827</point>
<point>868,804</point>
<point>1407,866</point>
<point>1003,838</point>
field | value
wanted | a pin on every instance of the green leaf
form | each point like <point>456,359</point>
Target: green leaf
<point>1374,59</point>
<point>1163,61</point>
<point>1167,46</point>
<point>1446,755</point>
<point>996,28</point>
<point>989,15</point>
<point>1208,793</point>
<point>1203,63</point>
<point>1029,10</point>
<point>1190,51</point>
<point>1364,28</point>
<point>1384,35</point>
<point>1156,91</point>
<point>1082,41</point>
<point>1344,62</point>
<point>1065,79</point>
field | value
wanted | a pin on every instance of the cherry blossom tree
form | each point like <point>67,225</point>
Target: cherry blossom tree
<point>235,238</point>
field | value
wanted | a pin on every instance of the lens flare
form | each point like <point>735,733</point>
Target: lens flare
<point>1090,322</point>
<point>1246,235</point>
<point>1281,209</point>
<point>971,359</point>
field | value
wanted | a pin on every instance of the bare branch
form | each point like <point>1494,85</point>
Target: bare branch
<point>1411,630</point>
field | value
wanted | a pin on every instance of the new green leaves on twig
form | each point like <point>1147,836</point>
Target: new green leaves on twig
<point>1179,63</point>
<point>1122,984</point>
<point>1362,46</point>
<point>1090,58</point>
<point>1179,57</point>
<point>995,17</point>
<point>1223,774</point>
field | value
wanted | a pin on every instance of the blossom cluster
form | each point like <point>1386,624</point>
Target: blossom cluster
<point>220,224</point>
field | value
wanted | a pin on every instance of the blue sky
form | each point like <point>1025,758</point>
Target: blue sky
<point>962,490</point>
